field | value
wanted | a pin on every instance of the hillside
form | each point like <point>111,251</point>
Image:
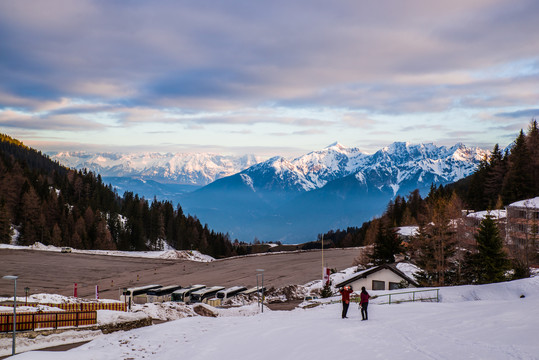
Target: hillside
<point>42,201</point>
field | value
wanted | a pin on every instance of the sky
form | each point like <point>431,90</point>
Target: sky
<point>266,78</point>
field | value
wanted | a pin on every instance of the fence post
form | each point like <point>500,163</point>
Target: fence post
<point>77,321</point>
<point>437,297</point>
<point>56,321</point>
<point>33,321</point>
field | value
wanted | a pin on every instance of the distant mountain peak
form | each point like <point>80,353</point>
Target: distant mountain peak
<point>336,144</point>
<point>179,168</point>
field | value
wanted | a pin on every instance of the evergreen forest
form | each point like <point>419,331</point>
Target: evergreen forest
<point>447,251</point>
<point>43,201</point>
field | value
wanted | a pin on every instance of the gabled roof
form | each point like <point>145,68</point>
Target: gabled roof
<point>364,273</point>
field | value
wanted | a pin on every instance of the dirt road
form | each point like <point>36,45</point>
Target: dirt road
<point>52,272</point>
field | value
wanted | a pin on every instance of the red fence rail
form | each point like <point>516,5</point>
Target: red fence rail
<point>40,320</point>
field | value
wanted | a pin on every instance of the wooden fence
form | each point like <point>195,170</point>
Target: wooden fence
<point>117,306</point>
<point>40,320</point>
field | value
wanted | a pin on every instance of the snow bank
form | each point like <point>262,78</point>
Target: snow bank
<point>499,291</point>
<point>165,311</point>
<point>45,298</point>
<point>108,317</point>
<point>164,254</point>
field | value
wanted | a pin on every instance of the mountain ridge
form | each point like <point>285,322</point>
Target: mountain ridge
<point>287,199</point>
<point>293,200</point>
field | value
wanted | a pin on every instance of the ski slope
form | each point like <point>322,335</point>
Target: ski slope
<point>471,322</point>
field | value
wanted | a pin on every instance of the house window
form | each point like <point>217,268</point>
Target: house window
<point>521,214</point>
<point>535,215</point>
<point>394,285</point>
<point>378,285</point>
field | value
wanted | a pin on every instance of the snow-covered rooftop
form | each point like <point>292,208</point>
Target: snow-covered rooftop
<point>528,203</point>
<point>408,230</point>
<point>496,214</point>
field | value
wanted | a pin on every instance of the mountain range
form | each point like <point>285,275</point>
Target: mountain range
<point>287,200</point>
<point>164,176</point>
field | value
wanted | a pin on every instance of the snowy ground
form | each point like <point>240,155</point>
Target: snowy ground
<point>168,253</point>
<point>471,322</point>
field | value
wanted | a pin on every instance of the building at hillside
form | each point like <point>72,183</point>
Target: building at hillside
<point>472,222</point>
<point>382,277</point>
<point>522,230</point>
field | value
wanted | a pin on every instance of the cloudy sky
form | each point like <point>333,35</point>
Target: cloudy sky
<point>266,77</point>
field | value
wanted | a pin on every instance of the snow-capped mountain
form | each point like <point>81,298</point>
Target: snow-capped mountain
<point>177,168</point>
<point>290,200</point>
<point>391,166</point>
<point>336,187</point>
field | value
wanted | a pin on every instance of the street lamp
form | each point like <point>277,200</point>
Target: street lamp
<point>260,272</point>
<point>14,278</point>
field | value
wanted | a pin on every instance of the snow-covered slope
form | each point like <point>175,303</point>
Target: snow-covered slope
<point>471,322</point>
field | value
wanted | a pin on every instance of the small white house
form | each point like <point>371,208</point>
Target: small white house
<point>382,277</point>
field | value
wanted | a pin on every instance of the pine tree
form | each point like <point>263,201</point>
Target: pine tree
<point>490,262</point>
<point>386,245</point>
<point>476,191</point>
<point>31,226</point>
<point>326,291</point>
<point>518,181</point>
<point>435,245</point>
<point>495,174</point>
<point>5,224</point>
<point>532,141</point>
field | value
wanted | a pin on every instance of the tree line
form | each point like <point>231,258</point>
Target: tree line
<point>46,202</point>
<point>443,246</point>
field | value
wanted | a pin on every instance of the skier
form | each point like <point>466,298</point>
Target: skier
<point>363,303</point>
<point>345,292</point>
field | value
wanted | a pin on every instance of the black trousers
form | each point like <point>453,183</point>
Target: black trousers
<point>344,309</point>
<point>364,314</point>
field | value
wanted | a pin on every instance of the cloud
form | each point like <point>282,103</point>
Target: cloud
<point>527,113</point>
<point>66,122</point>
<point>94,65</point>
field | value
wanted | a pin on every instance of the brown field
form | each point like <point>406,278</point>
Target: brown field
<point>55,273</point>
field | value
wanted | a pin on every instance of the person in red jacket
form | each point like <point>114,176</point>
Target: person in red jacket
<point>364,302</point>
<point>345,292</point>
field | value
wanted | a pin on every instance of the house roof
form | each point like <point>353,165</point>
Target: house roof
<point>528,203</point>
<point>408,231</point>
<point>495,214</point>
<point>364,273</point>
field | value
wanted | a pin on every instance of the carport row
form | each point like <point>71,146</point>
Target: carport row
<point>214,295</point>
